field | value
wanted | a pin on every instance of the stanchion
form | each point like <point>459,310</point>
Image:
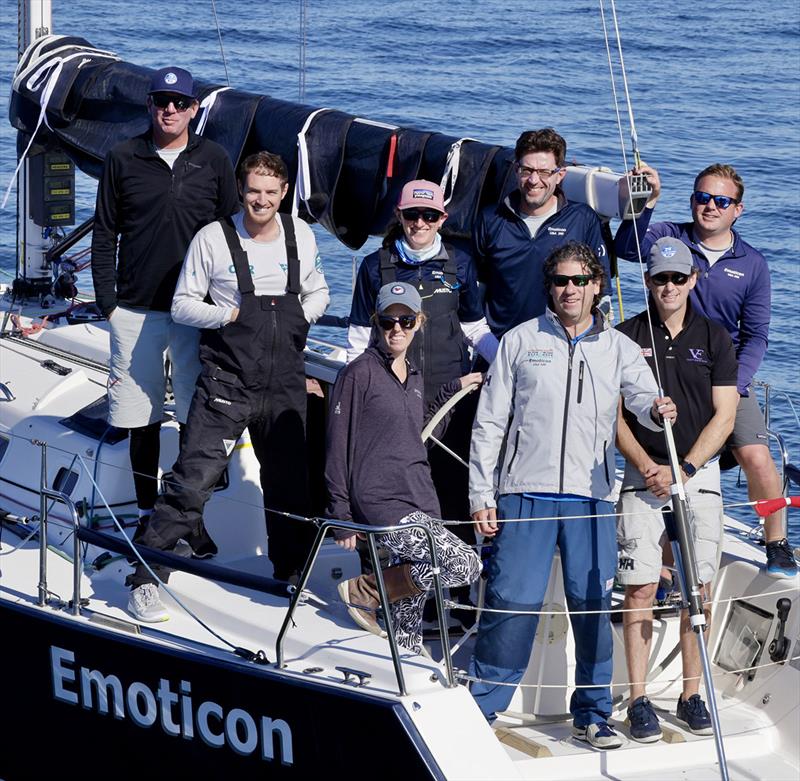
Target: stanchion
<point>680,536</point>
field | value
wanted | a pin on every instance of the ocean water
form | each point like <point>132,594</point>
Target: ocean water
<point>708,82</point>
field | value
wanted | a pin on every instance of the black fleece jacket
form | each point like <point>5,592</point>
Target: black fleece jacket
<point>376,467</point>
<point>155,212</point>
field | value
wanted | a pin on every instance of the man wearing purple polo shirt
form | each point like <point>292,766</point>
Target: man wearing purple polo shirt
<point>733,289</point>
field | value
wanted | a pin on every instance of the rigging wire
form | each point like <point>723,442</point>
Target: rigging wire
<point>221,47</point>
<point>688,569</point>
<point>303,40</point>
<point>637,160</point>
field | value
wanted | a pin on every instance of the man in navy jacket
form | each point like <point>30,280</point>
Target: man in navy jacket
<point>512,238</point>
<point>733,289</point>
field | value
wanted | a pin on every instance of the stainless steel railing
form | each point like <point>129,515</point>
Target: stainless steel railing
<point>371,532</point>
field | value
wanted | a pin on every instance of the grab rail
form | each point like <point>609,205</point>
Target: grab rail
<point>46,493</point>
<point>371,532</point>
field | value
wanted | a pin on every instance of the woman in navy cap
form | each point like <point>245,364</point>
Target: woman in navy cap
<point>377,469</point>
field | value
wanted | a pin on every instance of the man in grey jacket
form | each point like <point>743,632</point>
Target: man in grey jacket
<point>543,447</point>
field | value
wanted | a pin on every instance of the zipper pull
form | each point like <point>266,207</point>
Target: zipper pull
<point>580,383</point>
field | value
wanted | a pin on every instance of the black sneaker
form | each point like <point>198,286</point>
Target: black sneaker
<point>780,560</point>
<point>203,547</point>
<point>695,715</point>
<point>643,720</point>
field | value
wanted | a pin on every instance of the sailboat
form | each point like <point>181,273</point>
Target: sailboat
<point>248,678</point>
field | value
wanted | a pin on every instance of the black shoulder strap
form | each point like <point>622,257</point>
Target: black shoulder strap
<point>388,267</point>
<point>450,267</point>
<point>244,279</point>
<point>292,258</point>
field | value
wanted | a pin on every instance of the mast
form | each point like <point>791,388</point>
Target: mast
<point>34,20</point>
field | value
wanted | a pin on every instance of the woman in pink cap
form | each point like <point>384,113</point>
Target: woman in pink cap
<point>445,277</point>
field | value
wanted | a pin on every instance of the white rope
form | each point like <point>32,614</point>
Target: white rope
<point>48,73</point>
<point>613,684</point>
<point>444,522</point>
<point>450,605</point>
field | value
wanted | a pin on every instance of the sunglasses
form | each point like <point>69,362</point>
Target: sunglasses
<point>722,201</point>
<point>429,215</point>
<point>162,100</point>
<point>662,279</point>
<point>407,322</point>
<point>579,280</point>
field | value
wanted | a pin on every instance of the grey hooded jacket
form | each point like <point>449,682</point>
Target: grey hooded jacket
<point>547,416</point>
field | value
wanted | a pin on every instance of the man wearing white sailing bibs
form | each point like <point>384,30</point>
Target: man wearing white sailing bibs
<point>543,447</point>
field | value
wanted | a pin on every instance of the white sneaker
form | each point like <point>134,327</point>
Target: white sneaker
<point>145,605</point>
<point>600,736</point>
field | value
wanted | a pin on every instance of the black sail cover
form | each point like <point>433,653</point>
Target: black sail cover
<point>70,94</point>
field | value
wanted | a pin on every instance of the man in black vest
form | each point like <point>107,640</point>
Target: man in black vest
<point>254,284</point>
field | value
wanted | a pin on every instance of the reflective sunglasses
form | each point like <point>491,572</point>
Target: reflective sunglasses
<point>722,201</point>
<point>429,215</point>
<point>677,279</point>
<point>162,100</point>
<point>579,280</point>
<point>407,322</point>
<point>542,173</point>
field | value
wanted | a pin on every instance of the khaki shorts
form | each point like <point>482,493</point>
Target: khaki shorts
<point>749,427</point>
<point>140,342</point>
<point>640,526</point>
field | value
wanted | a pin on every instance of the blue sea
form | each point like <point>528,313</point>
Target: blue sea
<point>708,82</point>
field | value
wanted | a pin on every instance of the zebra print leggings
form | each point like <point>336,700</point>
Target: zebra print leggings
<point>459,565</point>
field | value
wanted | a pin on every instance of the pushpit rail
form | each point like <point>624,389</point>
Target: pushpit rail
<point>218,573</point>
<point>370,532</point>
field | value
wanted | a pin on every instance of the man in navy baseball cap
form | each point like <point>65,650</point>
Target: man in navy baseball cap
<point>157,190</point>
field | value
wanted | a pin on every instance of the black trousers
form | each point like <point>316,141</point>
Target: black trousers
<point>275,417</point>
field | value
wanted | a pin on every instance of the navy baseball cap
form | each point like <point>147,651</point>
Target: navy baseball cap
<point>398,293</point>
<point>176,81</point>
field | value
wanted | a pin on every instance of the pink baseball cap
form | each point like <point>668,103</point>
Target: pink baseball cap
<point>422,194</point>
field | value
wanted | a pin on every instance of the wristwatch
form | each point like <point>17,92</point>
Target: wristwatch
<point>690,469</point>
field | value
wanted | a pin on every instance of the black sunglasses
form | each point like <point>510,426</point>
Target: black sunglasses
<point>407,322</point>
<point>722,201</point>
<point>163,99</point>
<point>677,279</point>
<point>579,280</point>
<point>429,215</point>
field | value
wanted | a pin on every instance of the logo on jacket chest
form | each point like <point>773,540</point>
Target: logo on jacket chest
<point>556,231</point>
<point>539,357</point>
